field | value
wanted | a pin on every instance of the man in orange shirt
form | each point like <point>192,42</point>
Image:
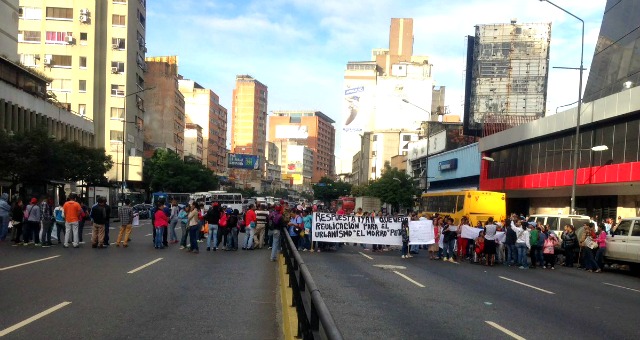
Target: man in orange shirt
<point>72,211</point>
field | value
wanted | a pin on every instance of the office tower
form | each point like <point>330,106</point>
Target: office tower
<point>202,107</point>
<point>506,79</point>
<point>313,129</point>
<point>94,53</point>
<point>249,118</point>
<point>164,111</point>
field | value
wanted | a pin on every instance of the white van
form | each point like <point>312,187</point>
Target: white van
<point>624,245</point>
<point>557,222</point>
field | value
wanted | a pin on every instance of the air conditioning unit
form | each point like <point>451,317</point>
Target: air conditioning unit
<point>114,69</point>
<point>69,39</point>
<point>48,59</point>
<point>84,18</point>
<point>84,11</point>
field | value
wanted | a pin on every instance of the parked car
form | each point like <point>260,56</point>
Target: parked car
<point>623,246</point>
<point>143,210</point>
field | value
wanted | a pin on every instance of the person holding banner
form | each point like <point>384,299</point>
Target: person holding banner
<point>405,239</point>
<point>450,234</point>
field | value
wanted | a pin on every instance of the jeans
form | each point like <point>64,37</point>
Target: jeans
<point>512,253</point>
<point>522,254</point>
<point>47,226</point>
<point>212,234</point>
<point>568,256</point>
<point>81,228</point>
<point>269,238</point>
<point>248,241</point>
<point>414,249</point>
<point>172,229</point>
<point>589,261</point>
<point>539,255</point>
<point>193,236</point>
<point>232,239</point>
<point>276,244</point>
<point>448,247</point>
<point>60,231</point>
<point>600,257</point>
<point>405,246</point>
<point>71,227</point>
<point>106,233</point>
<point>158,240</point>
<point>4,227</point>
<point>183,236</point>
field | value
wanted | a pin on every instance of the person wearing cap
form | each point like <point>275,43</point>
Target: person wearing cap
<point>72,211</point>
<point>31,232</point>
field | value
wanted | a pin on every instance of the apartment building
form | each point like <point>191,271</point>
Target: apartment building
<point>164,111</point>
<point>249,118</point>
<point>202,107</point>
<point>193,142</point>
<point>94,53</point>
<point>313,129</point>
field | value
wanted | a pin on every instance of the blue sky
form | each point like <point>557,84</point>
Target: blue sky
<point>299,48</point>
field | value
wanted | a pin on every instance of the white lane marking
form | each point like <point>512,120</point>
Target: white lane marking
<point>148,234</point>
<point>610,284</point>
<point>33,318</point>
<point>527,285</point>
<point>504,330</point>
<point>409,279</point>
<point>144,266</point>
<point>365,255</point>
<point>30,262</point>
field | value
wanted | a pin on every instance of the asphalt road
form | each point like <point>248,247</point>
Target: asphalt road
<point>469,301</point>
<point>89,293</point>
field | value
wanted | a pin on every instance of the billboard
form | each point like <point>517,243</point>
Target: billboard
<point>295,159</point>
<point>242,161</point>
<point>292,132</point>
<point>355,106</point>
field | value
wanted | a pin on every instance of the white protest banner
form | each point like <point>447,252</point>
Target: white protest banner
<point>501,236</point>
<point>471,233</point>
<point>421,232</point>
<point>358,229</point>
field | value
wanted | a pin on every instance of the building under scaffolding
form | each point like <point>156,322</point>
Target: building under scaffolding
<point>506,77</point>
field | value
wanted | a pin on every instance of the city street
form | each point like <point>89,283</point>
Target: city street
<point>381,295</point>
<point>136,292</point>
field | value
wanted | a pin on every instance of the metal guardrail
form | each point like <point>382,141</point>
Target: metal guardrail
<point>314,319</point>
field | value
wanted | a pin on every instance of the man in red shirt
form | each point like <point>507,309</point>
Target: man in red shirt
<point>72,211</point>
<point>250,222</point>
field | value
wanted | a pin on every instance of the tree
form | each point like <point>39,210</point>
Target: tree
<point>327,189</point>
<point>165,171</point>
<point>360,190</point>
<point>394,187</point>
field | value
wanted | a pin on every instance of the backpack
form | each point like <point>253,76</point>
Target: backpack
<point>533,237</point>
<point>223,220</point>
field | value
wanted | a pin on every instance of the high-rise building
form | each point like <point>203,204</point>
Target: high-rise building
<point>374,90</point>
<point>9,13</point>
<point>193,142</point>
<point>313,129</point>
<point>377,148</point>
<point>164,111</point>
<point>506,79</point>
<point>202,107</point>
<point>249,118</point>
<point>94,52</point>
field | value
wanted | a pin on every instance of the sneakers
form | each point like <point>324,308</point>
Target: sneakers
<point>404,256</point>
<point>598,270</point>
<point>208,249</point>
<point>181,247</point>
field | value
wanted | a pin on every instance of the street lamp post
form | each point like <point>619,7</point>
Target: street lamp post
<point>576,146</point>
<point>426,167</point>
<point>124,136</point>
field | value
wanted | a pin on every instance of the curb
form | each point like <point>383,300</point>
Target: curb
<point>289,316</point>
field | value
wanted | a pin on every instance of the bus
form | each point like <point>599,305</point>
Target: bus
<point>231,200</point>
<point>182,198</point>
<point>475,204</point>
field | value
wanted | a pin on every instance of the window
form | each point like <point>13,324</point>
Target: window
<point>117,113</point>
<point>83,62</point>
<point>117,90</point>
<point>406,138</point>
<point>117,67</point>
<point>623,228</point>
<point>82,85</point>
<point>373,153</point>
<point>139,81</point>
<point>60,61</point>
<point>83,37</point>
<point>29,36</point>
<point>29,59</point>
<point>141,19</point>
<point>57,37</point>
<point>30,13</point>
<point>120,2</point>
<point>118,20</point>
<point>116,135</point>
<point>60,85</point>
<point>636,229</point>
<point>374,138</point>
<point>118,43</point>
<point>82,109</point>
<point>59,13</point>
